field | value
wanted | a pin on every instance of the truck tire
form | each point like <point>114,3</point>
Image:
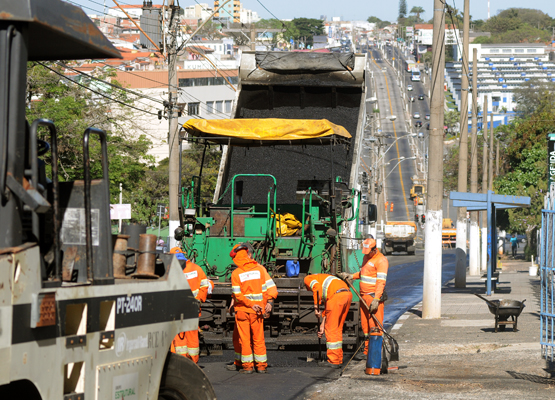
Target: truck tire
<point>410,250</point>
<point>384,250</point>
<point>182,379</point>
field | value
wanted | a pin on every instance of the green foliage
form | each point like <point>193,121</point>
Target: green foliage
<point>289,32</point>
<point>308,28</point>
<point>210,31</point>
<point>515,25</point>
<point>451,119</point>
<point>379,23</point>
<point>73,109</point>
<point>417,10</point>
<point>535,96</point>
<point>402,8</point>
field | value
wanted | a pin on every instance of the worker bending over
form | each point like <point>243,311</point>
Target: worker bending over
<point>336,296</point>
<point>253,293</point>
<point>187,343</point>
<point>373,276</point>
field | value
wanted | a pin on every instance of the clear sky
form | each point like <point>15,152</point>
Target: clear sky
<point>349,9</point>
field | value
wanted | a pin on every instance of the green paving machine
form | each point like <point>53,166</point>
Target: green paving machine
<point>288,184</point>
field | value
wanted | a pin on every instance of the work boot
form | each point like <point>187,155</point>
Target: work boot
<point>325,364</point>
<point>246,371</point>
<point>360,356</point>
<point>262,371</point>
<point>232,367</point>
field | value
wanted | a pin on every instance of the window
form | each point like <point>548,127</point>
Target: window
<point>519,50</point>
<point>530,50</point>
<point>193,108</point>
<point>219,105</point>
<point>228,106</point>
<point>210,107</point>
<point>507,51</point>
<point>494,51</point>
<point>211,81</point>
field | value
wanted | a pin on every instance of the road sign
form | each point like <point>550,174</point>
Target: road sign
<point>160,210</point>
<point>120,211</point>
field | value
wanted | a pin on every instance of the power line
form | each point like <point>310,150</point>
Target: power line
<point>111,84</point>
<point>95,91</point>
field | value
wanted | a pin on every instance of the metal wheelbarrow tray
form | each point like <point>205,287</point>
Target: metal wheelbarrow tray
<point>503,309</point>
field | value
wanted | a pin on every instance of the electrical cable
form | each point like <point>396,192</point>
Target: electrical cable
<point>111,84</point>
<point>94,91</point>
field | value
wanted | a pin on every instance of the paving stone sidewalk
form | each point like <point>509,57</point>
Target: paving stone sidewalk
<point>459,356</point>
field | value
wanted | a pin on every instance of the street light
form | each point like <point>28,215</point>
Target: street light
<point>401,159</point>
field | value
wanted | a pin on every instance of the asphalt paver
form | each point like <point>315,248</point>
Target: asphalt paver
<point>459,356</point>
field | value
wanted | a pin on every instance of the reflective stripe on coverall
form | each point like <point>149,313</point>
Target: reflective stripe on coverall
<point>187,343</point>
<point>325,287</point>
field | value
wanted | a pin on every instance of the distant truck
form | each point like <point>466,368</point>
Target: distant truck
<point>399,236</point>
<point>418,191</point>
<point>448,233</point>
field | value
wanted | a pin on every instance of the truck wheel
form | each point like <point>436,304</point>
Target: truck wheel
<point>384,251</point>
<point>411,250</point>
<point>182,379</point>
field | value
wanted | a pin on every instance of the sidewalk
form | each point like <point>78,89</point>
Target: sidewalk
<point>460,356</point>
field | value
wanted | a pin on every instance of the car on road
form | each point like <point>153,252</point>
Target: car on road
<point>420,97</point>
<point>416,115</point>
<point>418,124</point>
<point>409,88</point>
<point>427,117</point>
<point>428,126</point>
<point>411,98</point>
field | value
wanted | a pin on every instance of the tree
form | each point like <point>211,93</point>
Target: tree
<point>210,31</point>
<point>73,109</point>
<point>379,23</point>
<point>535,96</point>
<point>289,30</point>
<point>417,10</point>
<point>308,28</point>
<point>402,9</point>
<point>451,119</point>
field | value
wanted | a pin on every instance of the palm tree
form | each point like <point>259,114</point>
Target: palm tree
<point>417,10</point>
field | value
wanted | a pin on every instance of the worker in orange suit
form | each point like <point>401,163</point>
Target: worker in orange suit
<point>187,343</point>
<point>373,276</point>
<point>253,293</point>
<point>335,294</point>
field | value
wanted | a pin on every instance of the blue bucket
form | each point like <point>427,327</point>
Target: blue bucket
<point>292,268</point>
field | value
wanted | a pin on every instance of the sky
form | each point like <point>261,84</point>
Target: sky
<point>348,10</point>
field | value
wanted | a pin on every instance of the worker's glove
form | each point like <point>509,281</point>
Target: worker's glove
<point>374,306</point>
<point>345,276</point>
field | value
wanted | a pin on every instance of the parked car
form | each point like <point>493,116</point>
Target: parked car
<point>416,115</point>
<point>418,124</point>
<point>420,97</point>
<point>427,117</point>
<point>409,88</point>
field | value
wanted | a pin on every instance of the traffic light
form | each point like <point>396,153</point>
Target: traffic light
<point>416,218</point>
<point>423,219</point>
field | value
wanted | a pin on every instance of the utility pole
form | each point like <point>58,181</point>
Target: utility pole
<point>497,159</point>
<point>462,186</point>
<point>474,248</point>
<point>484,214</point>
<point>431,301</point>
<point>174,155</point>
<point>490,155</point>
<point>253,37</point>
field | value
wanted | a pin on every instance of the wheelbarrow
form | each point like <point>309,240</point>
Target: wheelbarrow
<point>503,309</point>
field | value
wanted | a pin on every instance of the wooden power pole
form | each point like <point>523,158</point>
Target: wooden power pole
<point>474,248</point>
<point>484,214</point>
<point>462,184</point>
<point>174,155</point>
<point>431,301</point>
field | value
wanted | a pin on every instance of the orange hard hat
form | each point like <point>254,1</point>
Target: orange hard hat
<point>368,245</point>
<point>175,250</point>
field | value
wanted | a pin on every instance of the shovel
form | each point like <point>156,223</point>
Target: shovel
<point>393,345</point>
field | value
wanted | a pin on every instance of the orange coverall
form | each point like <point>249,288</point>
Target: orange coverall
<point>337,297</point>
<point>251,285</point>
<point>187,343</point>
<point>373,276</point>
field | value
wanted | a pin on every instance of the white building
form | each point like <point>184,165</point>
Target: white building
<point>202,94</point>
<point>198,11</point>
